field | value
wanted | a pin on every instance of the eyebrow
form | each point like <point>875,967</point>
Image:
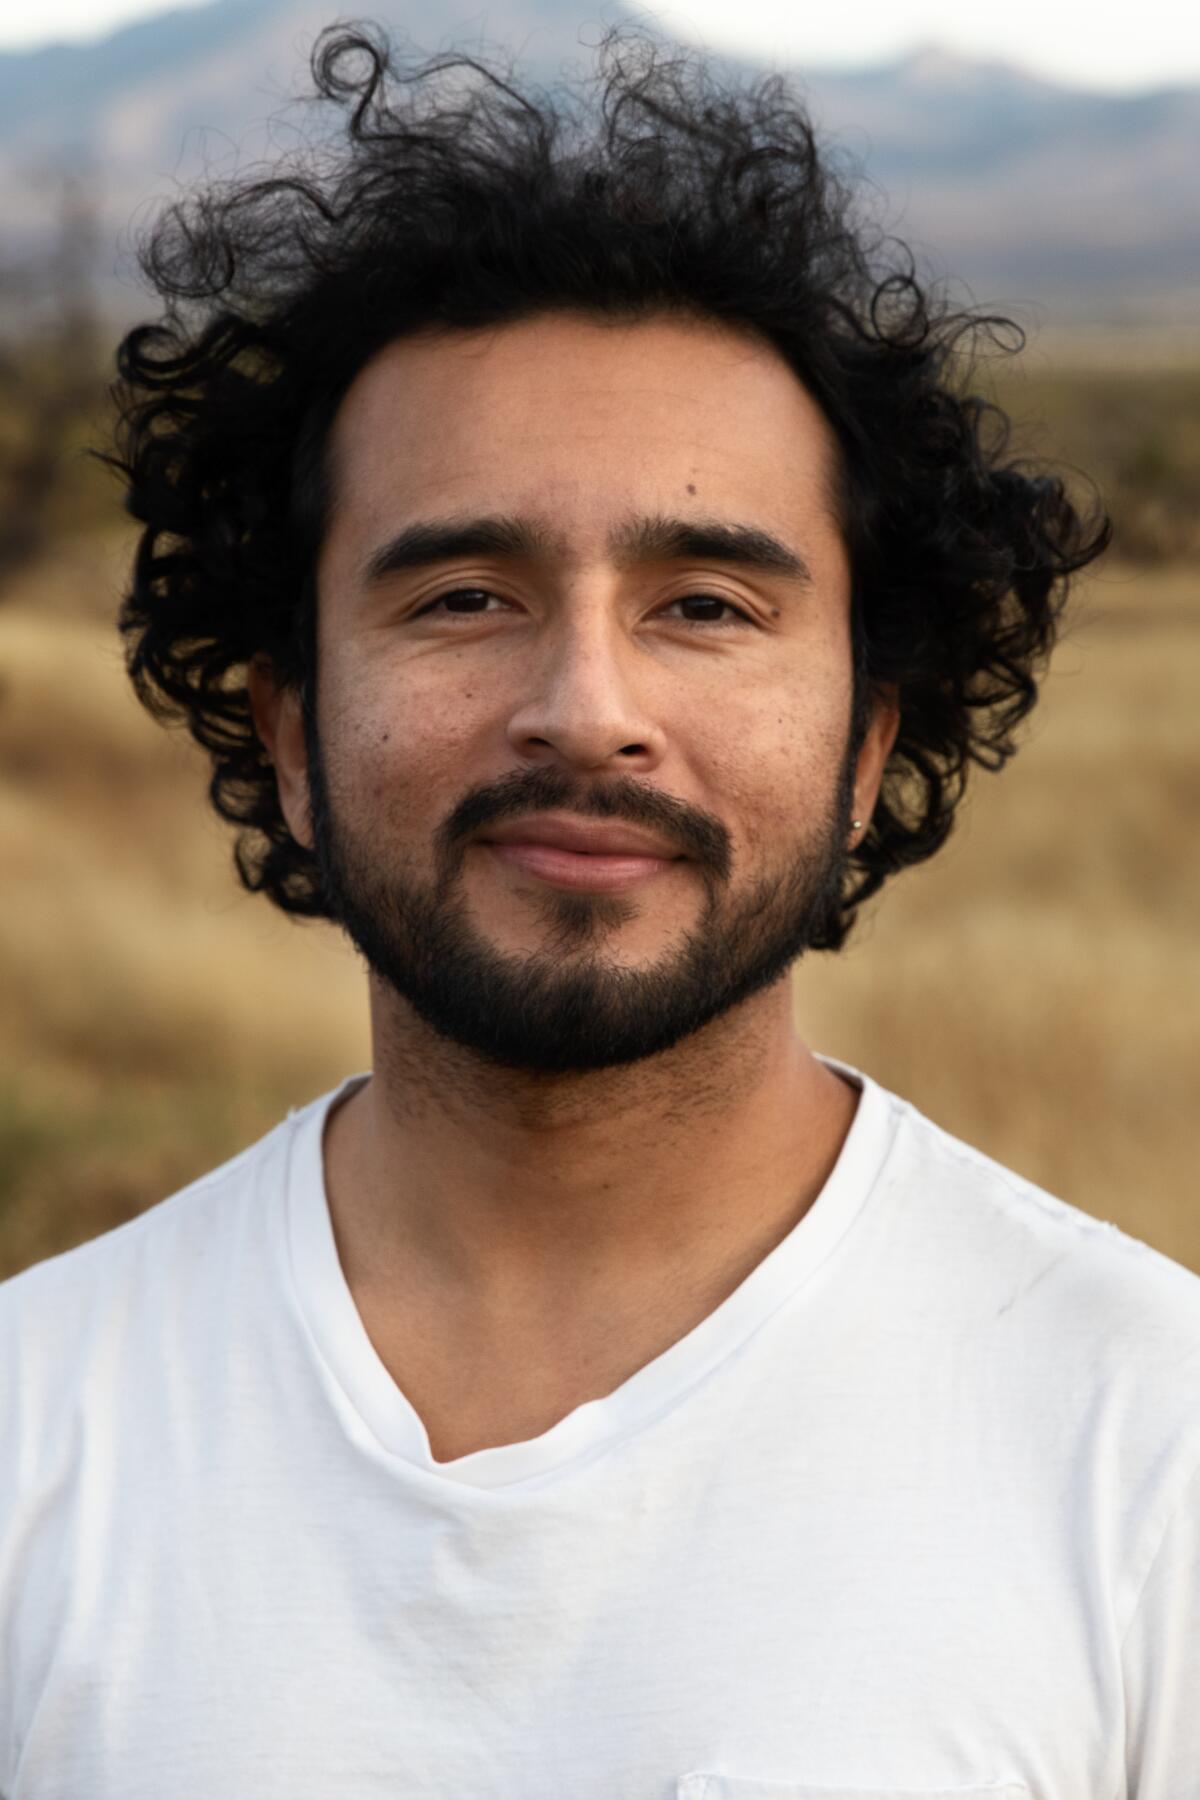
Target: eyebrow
<point>660,539</point>
<point>654,538</point>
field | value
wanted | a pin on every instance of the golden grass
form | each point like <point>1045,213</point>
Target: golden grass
<point>155,1018</point>
<point>1036,988</point>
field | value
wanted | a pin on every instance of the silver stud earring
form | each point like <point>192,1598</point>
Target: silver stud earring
<point>856,824</point>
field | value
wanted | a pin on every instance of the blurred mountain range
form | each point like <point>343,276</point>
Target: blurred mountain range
<point>1061,205</point>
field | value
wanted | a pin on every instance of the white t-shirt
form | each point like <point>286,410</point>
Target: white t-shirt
<point>914,1512</point>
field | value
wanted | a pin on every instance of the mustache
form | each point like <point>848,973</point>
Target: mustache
<point>698,834</point>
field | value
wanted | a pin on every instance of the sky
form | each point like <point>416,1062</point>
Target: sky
<point>1082,43</point>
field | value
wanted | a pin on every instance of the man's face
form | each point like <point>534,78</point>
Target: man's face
<point>583,779</point>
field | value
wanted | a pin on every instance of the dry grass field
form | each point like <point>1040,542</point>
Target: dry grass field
<point>1036,988</point>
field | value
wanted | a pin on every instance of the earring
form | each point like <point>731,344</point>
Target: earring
<point>856,824</point>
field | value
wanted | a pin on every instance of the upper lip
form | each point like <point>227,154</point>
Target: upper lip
<point>587,837</point>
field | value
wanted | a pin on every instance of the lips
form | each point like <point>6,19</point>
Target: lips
<point>583,837</point>
<point>596,854</point>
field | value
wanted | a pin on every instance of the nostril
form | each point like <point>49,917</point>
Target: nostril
<point>632,749</point>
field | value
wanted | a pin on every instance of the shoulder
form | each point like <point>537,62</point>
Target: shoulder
<point>1036,1259</point>
<point>159,1232</point>
<point>58,1318</point>
<point>1076,1347</point>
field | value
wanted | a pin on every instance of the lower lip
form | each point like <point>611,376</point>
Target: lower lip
<point>572,869</point>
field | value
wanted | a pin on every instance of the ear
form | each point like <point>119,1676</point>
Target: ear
<point>279,721</point>
<point>874,750</point>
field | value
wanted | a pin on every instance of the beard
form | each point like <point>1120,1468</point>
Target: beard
<point>567,1008</point>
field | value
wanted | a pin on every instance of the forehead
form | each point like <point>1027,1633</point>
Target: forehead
<point>583,419</point>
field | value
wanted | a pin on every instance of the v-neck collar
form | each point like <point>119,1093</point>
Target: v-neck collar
<point>341,1339</point>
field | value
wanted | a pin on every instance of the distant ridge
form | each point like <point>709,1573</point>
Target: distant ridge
<point>1063,204</point>
<point>1078,205</point>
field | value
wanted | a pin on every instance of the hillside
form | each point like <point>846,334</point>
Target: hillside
<point>1069,205</point>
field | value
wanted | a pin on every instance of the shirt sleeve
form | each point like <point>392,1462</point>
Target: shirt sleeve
<point>1161,1660</point>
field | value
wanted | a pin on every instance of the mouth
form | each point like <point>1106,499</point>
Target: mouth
<point>592,855</point>
<point>594,872</point>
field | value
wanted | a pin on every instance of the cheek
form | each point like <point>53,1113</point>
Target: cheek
<point>794,728</point>
<point>772,755</point>
<point>398,749</point>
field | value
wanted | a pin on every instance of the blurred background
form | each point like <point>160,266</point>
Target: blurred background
<point>1036,989</point>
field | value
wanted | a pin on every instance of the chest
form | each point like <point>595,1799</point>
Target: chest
<point>740,1622</point>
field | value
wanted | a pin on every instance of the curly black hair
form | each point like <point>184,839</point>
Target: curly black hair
<point>458,196</point>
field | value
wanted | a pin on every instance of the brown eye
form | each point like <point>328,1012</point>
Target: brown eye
<point>465,600</point>
<point>708,609</point>
<point>459,603</point>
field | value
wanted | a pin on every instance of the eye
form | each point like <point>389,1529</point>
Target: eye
<point>693,609</point>
<point>460,603</point>
<point>708,609</point>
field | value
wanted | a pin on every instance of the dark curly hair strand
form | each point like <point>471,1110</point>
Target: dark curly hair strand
<point>459,198</point>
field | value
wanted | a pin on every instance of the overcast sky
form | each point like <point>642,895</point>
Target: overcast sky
<point>1092,43</point>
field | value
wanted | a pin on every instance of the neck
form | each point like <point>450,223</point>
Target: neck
<point>519,1245</point>
<point>490,1178</point>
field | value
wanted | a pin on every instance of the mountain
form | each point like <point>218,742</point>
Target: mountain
<point>1084,205</point>
<point>1064,204</point>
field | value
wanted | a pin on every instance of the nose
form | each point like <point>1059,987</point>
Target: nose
<point>585,708</point>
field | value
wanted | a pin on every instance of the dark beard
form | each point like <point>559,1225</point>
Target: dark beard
<point>541,1012</point>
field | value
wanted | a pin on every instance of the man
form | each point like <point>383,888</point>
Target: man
<point>589,583</point>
